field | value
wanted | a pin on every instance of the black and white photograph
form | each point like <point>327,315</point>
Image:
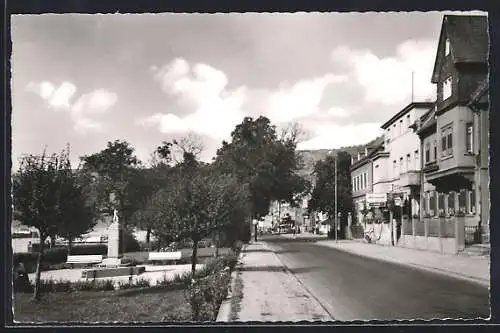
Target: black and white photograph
<point>250,167</point>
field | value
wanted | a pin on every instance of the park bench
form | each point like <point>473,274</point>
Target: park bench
<point>84,259</point>
<point>165,256</point>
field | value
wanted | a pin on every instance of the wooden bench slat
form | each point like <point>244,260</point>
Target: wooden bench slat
<point>165,256</point>
<point>84,259</point>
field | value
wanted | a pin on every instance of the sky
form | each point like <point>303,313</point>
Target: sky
<point>145,78</point>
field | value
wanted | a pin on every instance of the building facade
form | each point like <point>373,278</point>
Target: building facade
<point>403,147</point>
<point>453,133</point>
<point>362,180</point>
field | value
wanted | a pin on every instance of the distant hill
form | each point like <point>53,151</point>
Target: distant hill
<point>310,157</point>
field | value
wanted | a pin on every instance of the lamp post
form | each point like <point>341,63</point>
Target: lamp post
<point>336,239</point>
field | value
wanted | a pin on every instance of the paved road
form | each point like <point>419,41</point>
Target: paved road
<point>351,287</point>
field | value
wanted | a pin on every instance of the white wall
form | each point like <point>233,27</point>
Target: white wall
<point>403,141</point>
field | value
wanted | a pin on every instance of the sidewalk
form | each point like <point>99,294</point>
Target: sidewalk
<point>476,269</point>
<point>265,291</point>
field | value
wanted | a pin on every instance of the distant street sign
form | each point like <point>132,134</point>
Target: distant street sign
<point>398,201</point>
<point>376,204</point>
<point>376,198</point>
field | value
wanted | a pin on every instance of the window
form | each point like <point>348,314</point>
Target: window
<point>432,204</point>
<point>470,138</point>
<point>435,150</point>
<point>472,202</point>
<point>401,166</point>
<point>364,176</point>
<point>394,134</point>
<point>447,88</point>
<point>462,201</point>
<point>417,160</point>
<point>408,162</point>
<point>441,204</point>
<point>401,126</point>
<point>447,141</point>
<point>447,47</point>
<point>408,122</point>
<point>427,153</point>
<point>353,184</point>
<point>451,203</point>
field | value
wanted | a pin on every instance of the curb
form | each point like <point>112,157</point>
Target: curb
<point>224,314</point>
<point>477,280</point>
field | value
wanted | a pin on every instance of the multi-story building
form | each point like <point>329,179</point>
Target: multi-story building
<point>454,133</point>
<point>362,179</point>
<point>403,147</point>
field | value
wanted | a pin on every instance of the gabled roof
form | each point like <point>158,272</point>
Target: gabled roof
<point>468,36</point>
<point>405,110</point>
<point>427,120</point>
<point>368,158</point>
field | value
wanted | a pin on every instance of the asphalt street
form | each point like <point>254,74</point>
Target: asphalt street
<point>352,287</point>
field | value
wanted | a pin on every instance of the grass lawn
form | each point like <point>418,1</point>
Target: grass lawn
<point>143,305</point>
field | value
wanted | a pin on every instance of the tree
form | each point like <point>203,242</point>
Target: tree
<point>194,205</point>
<point>266,163</point>
<point>76,210</point>
<point>46,197</point>
<point>114,170</point>
<point>323,193</point>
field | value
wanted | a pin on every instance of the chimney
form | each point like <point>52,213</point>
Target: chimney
<point>366,151</point>
<point>359,155</point>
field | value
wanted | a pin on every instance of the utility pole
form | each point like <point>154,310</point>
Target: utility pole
<point>336,239</point>
<point>412,86</point>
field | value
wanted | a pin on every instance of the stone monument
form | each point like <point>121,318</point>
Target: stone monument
<point>113,258</point>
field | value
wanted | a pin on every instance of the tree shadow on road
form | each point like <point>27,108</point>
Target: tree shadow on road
<point>256,250</point>
<point>262,269</point>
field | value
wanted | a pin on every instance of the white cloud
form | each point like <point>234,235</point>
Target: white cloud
<point>57,98</point>
<point>98,101</point>
<point>338,112</point>
<point>202,89</point>
<point>95,102</point>
<point>389,80</point>
<point>301,99</point>
<point>329,136</point>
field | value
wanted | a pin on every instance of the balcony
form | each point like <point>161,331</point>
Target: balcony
<point>410,178</point>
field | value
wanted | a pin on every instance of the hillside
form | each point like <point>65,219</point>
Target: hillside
<point>310,157</point>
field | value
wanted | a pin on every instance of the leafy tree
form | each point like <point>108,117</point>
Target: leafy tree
<point>77,211</point>
<point>115,178</point>
<point>323,193</point>
<point>113,168</point>
<point>47,198</point>
<point>268,164</point>
<point>194,205</point>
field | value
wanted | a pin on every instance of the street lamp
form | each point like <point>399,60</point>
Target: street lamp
<point>336,239</point>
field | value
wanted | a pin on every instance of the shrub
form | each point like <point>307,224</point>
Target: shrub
<point>139,283</point>
<point>237,246</point>
<point>205,295</point>
<point>93,285</point>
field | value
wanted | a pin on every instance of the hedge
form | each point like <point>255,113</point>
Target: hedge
<point>56,255</point>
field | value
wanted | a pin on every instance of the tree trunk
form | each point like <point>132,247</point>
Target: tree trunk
<point>194,256</point>
<point>216,245</point>
<point>70,245</point>
<point>36,293</point>
<point>148,234</point>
